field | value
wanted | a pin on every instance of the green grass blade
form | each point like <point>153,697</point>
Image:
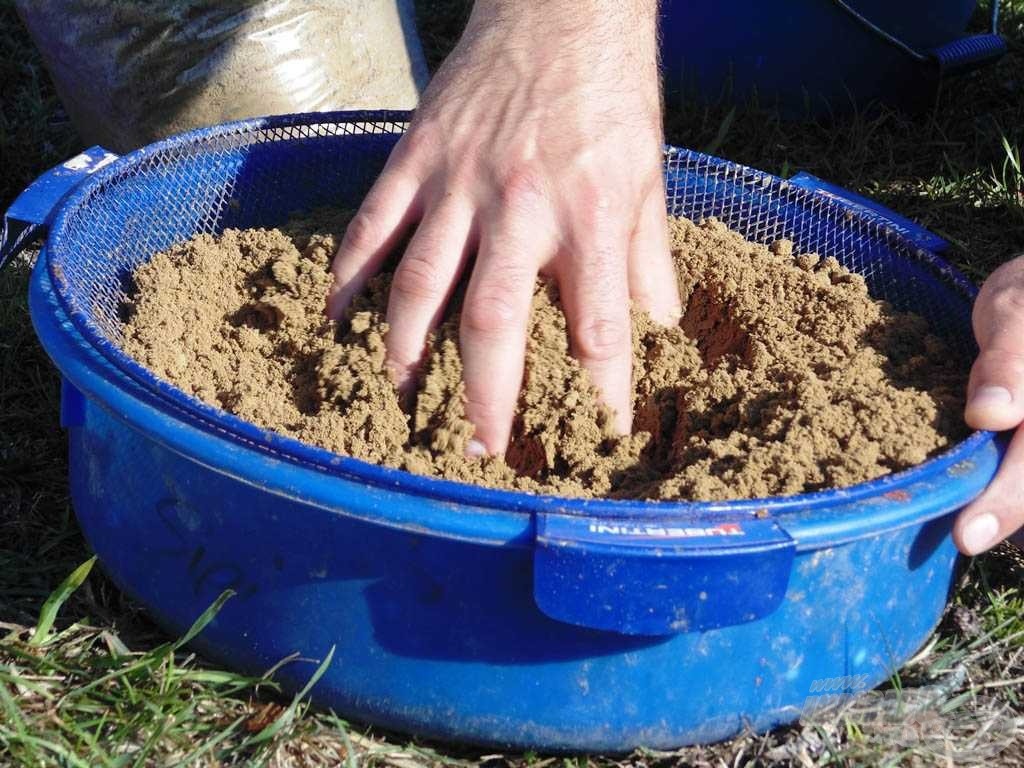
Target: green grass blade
<point>48,613</point>
<point>288,715</point>
<point>210,745</point>
<point>723,132</point>
<point>1012,154</point>
<point>41,745</point>
<point>350,751</point>
<point>204,618</point>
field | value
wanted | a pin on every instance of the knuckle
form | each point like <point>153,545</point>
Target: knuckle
<point>596,197</point>
<point>482,411</point>
<point>417,278</point>
<point>522,186</point>
<point>600,338</point>
<point>491,309</point>
<point>489,313</point>
<point>362,232</point>
<point>1008,299</point>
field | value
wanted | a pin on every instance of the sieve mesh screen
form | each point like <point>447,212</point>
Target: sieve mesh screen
<point>260,172</point>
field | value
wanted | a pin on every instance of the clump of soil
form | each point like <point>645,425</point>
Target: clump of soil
<point>783,376</point>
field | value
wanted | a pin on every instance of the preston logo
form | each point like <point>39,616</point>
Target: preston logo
<point>664,532</point>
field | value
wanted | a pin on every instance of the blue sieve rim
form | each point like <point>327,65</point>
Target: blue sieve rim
<point>222,424</point>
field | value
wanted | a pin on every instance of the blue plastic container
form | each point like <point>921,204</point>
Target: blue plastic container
<point>819,56</point>
<point>455,611</point>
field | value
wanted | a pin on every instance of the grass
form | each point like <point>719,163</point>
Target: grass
<point>86,679</point>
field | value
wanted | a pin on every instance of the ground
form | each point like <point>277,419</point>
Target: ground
<point>90,681</point>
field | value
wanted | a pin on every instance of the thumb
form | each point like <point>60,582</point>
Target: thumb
<point>995,393</point>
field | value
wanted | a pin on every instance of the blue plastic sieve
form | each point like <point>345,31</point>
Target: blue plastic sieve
<point>457,611</point>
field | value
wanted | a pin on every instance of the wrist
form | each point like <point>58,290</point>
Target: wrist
<point>606,39</point>
<point>560,14</point>
<point>569,25</point>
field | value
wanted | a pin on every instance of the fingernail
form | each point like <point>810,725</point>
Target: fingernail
<point>991,397</point>
<point>981,533</point>
<point>475,449</point>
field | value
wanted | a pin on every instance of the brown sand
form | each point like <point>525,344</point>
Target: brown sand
<point>783,376</point>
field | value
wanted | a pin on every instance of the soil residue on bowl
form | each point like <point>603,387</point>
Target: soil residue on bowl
<point>783,376</point>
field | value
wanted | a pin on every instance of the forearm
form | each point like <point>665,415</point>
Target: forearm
<point>572,17</point>
<point>608,45</point>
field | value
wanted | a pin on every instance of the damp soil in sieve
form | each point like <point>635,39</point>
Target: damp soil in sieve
<point>783,376</point>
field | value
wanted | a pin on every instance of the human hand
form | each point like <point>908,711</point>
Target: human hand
<point>538,149</point>
<point>996,401</point>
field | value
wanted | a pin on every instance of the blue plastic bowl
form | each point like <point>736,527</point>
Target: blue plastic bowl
<point>456,611</point>
<point>817,56</point>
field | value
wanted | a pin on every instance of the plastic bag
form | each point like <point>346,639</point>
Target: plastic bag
<point>131,71</point>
